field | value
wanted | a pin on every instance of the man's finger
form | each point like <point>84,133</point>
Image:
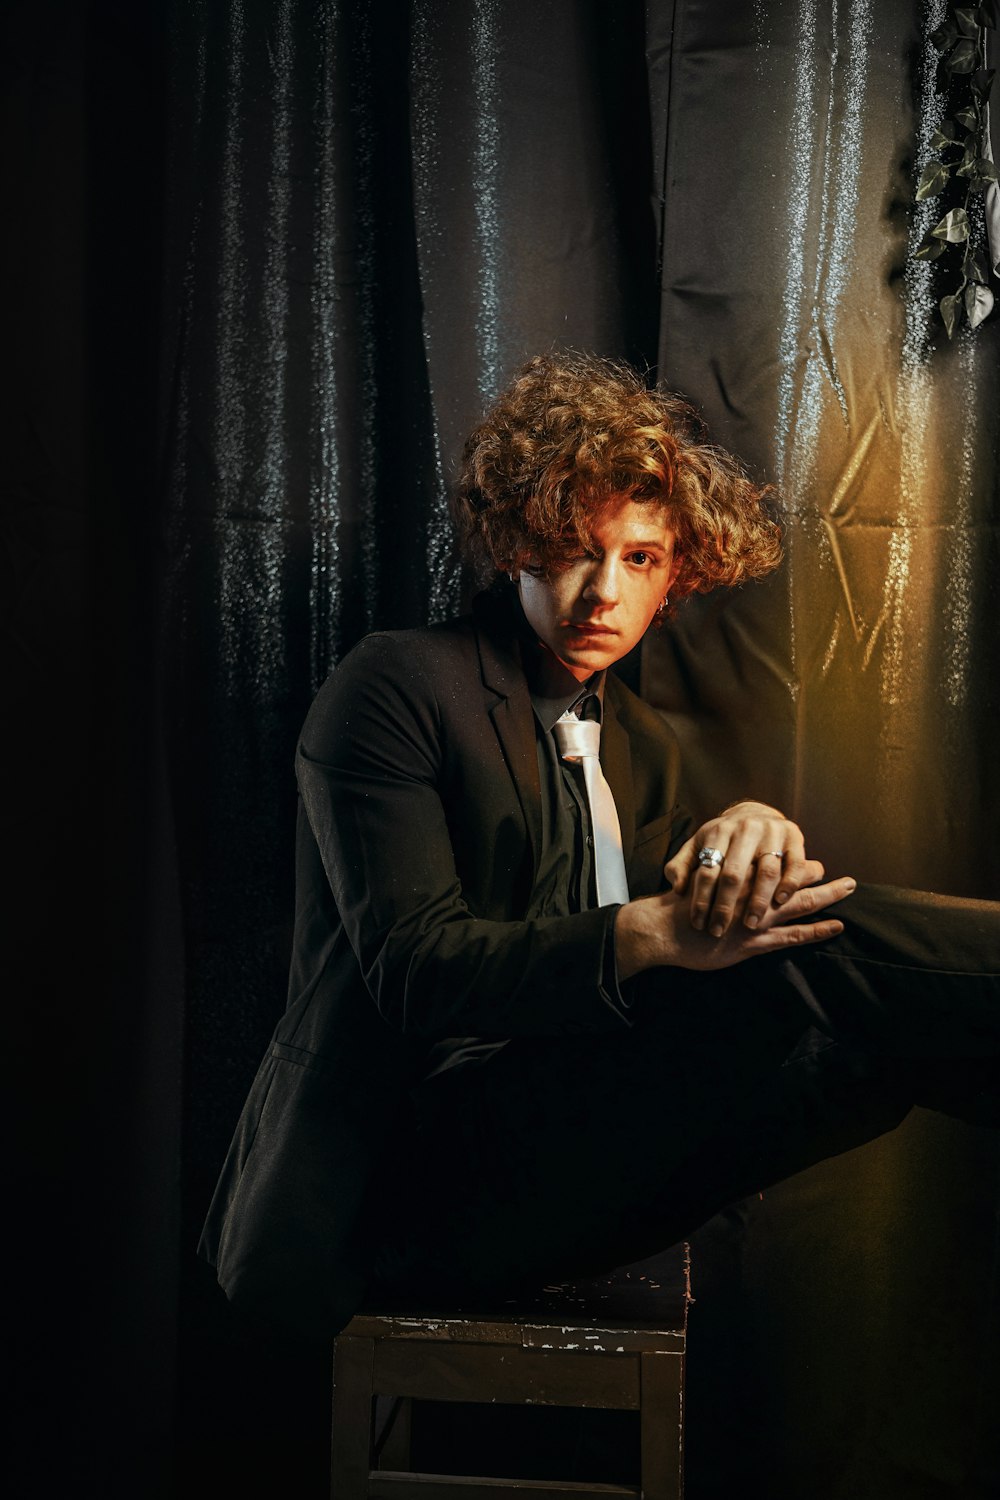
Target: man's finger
<point>765,884</point>
<point>708,877</point>
<point>794,935</point>
<point>677,869</point>
<point>769,853</point>
<point>795,862</point>
<point>812,898</point>
<point>703,894</point>
<point>728,892</point>
<point>769,872</point>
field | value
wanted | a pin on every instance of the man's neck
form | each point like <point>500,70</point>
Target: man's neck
<point>552,686</point>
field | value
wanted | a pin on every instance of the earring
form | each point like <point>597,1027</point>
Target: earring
<point>662,605</point>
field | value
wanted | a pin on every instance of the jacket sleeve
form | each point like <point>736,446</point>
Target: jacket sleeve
<point>369,764</point>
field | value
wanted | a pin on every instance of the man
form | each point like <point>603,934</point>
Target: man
<point>537,1024</point>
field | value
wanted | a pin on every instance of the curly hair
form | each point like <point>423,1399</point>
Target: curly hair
<point>574,433</point>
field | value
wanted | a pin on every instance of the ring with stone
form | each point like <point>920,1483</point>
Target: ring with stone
<point>710,859</point>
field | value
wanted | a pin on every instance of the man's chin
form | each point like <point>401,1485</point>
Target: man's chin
<point>594,654</point>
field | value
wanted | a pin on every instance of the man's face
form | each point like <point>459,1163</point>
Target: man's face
<point>591,613</point>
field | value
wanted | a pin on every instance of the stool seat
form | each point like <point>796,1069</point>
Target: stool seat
<point>612,1342</point>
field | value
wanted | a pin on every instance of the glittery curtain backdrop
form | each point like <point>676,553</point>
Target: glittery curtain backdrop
<point>376,211</point>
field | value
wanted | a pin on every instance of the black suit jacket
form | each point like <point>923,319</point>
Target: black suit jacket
<point>418,842</point>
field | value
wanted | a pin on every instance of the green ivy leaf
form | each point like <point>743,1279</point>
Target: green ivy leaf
<point>954,227</point>
<point>984,176</point>
<point>958,143</point>
<point>951,311</point>
<point>978,304</point>
<point>946,135</point>
<point>974,267</point>
<point>945,35</point>
<point>932,179</point>
<point>962,58</point>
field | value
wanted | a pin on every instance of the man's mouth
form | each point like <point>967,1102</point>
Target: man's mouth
<point>588,627</point>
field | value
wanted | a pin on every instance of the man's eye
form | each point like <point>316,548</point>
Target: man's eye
<point>640,558</point>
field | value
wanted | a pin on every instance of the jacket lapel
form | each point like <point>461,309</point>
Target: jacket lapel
<point>510,709</point>
<point>616,761</point>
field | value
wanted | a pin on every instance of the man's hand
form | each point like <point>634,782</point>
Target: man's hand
<point>657,930</point>
<point>763,864</point>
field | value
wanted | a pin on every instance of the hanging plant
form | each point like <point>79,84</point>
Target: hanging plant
<point>963,167</point>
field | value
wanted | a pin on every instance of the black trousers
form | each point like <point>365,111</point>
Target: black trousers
<point>562,1157</point>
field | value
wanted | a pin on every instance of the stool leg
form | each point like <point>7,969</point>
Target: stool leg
<point>351,1436</point>
<point>660,1430</point>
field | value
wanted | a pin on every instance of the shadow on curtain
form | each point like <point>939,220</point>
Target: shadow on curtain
<point>857,689</point>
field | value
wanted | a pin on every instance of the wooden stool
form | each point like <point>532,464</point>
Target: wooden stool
<point>615,1342</point>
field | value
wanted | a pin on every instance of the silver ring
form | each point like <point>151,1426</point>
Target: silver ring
<point>772,853</point>
<point>710,859</point>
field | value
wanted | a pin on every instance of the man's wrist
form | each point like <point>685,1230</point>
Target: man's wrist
<point>752,802</point>
<point>641,937</point>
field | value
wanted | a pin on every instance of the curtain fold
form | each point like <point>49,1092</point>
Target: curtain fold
<point>857,688</point>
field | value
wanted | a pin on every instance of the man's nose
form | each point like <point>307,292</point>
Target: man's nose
<point>603,582</point>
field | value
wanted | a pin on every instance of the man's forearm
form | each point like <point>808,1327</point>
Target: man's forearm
<point>641,940</point>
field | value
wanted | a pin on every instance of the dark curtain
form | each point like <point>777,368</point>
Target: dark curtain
<point>277,256</point>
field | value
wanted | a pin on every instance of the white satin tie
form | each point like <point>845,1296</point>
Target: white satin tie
<point>580,740</point>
